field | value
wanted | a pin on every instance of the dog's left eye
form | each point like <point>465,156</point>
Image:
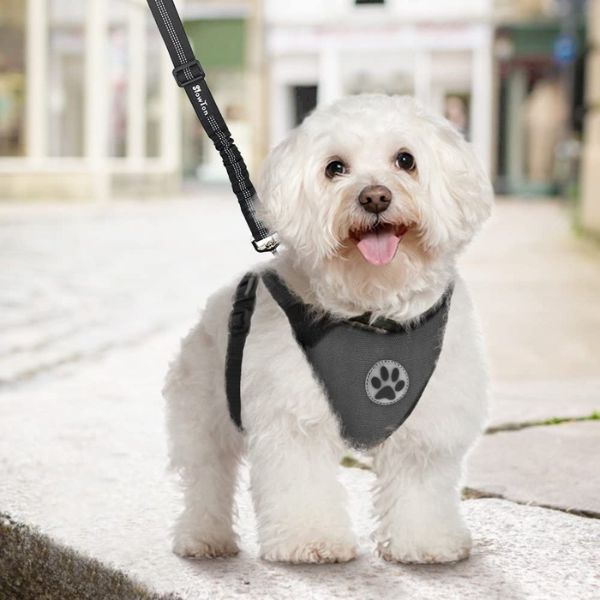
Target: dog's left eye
<point>335,167</point>
<point>405,161</point>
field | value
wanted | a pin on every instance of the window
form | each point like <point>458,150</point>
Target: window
<point>118,65</point>
<point>358,2</point>
<point>12,78</point>
<point>220,44</point>
<point>65,68</point>
<point>305,100</point>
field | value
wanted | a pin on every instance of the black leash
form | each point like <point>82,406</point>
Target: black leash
<point>189,75</point>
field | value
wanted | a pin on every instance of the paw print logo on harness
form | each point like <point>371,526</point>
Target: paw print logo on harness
<point>387,382</point>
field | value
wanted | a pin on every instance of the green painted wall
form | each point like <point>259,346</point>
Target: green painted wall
<point>537,39</point>
<point>218,43</point>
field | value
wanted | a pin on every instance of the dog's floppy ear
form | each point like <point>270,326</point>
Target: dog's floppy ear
<point>458,187</point>
<point>280,185</point>
<point>289,192</point>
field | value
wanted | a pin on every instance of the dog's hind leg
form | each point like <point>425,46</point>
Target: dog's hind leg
<point>205,449</point>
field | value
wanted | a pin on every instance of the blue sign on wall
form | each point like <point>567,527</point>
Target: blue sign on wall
<point>565,49</point>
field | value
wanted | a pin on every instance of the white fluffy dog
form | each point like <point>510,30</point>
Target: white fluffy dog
<point>347,257</point>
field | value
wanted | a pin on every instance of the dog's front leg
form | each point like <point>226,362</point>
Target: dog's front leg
<point>299,502</point>
<point>417,501</point>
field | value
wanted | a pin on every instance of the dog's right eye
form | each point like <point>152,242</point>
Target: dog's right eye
<point>334,168</point>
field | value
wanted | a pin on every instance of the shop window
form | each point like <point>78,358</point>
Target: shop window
<point>66,77</point>
<point>220,44</point>
<point>12,78</point>
<point>118,66</point>
<point>305,100</point>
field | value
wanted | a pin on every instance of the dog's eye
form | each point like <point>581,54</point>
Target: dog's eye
<point>335,167</point>
<point>405,161</point>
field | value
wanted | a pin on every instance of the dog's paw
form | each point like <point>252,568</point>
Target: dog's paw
<point>190,546</point>
<point>317,552</point>
<point>441,549</point>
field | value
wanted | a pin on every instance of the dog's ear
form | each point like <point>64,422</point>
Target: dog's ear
<point>289,192</point>
<point>457,187</point>
<point>280,184</point>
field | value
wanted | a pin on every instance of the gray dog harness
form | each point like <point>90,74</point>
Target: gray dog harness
<point>373,373</point>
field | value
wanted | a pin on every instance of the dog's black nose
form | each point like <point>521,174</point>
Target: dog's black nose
<point>375,198</point>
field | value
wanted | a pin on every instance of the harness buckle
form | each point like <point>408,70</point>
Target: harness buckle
<point>241,315</point>
<point>195,69</point>
<point>239,321</point>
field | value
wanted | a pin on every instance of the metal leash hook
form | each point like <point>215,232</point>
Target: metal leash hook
<point>189,75</point>
<point>268,244</point>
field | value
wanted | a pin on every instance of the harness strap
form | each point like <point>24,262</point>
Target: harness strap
<point>189,74</point>
<point>308,326</point>
<point>240,320</point>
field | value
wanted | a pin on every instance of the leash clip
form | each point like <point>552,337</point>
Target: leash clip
<point>268,244</point>
<point>192,65</point>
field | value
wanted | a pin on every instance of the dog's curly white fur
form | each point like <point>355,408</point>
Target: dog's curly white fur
<point>291,436</point>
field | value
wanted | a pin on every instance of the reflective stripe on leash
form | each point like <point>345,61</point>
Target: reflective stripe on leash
<point>189,75</point>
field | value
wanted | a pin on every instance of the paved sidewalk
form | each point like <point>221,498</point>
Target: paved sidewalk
<point>77,281</point>
<point>91,475</point>
<point>93,300</point>
<point>537,288</point>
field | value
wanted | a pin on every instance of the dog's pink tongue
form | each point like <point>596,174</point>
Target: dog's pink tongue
<point>379,247</point>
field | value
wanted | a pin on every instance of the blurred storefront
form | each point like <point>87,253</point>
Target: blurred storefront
<point>540,65</point>
<point>438,51</point>
<point>220,32</point>
<point>85,105</point>
<point>88,106</point>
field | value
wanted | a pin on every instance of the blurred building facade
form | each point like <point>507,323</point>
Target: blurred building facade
<point>88,106</point>
<point>590,195</point>
<point>86,103</point>
<point>438,51</point>
<point>540,57</point>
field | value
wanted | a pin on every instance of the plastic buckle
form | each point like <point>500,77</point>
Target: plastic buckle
<point>196,76</point>
<point>239,321</point>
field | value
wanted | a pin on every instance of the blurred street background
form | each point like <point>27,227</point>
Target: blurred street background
<point>116,223</point>
<point>88,108</point>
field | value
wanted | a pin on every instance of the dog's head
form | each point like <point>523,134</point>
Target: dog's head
<point>374,184</point>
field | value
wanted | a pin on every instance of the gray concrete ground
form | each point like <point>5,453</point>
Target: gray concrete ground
<point>93,300</point>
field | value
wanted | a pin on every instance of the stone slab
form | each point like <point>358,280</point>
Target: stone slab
<point>555,465</point>
<point>516,402</point>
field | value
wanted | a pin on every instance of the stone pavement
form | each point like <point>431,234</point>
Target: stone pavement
<point>537,288</point>
<point>77,281</point>
<point>93,300</point>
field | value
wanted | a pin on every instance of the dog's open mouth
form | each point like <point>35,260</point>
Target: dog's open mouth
<point>378,244</point>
